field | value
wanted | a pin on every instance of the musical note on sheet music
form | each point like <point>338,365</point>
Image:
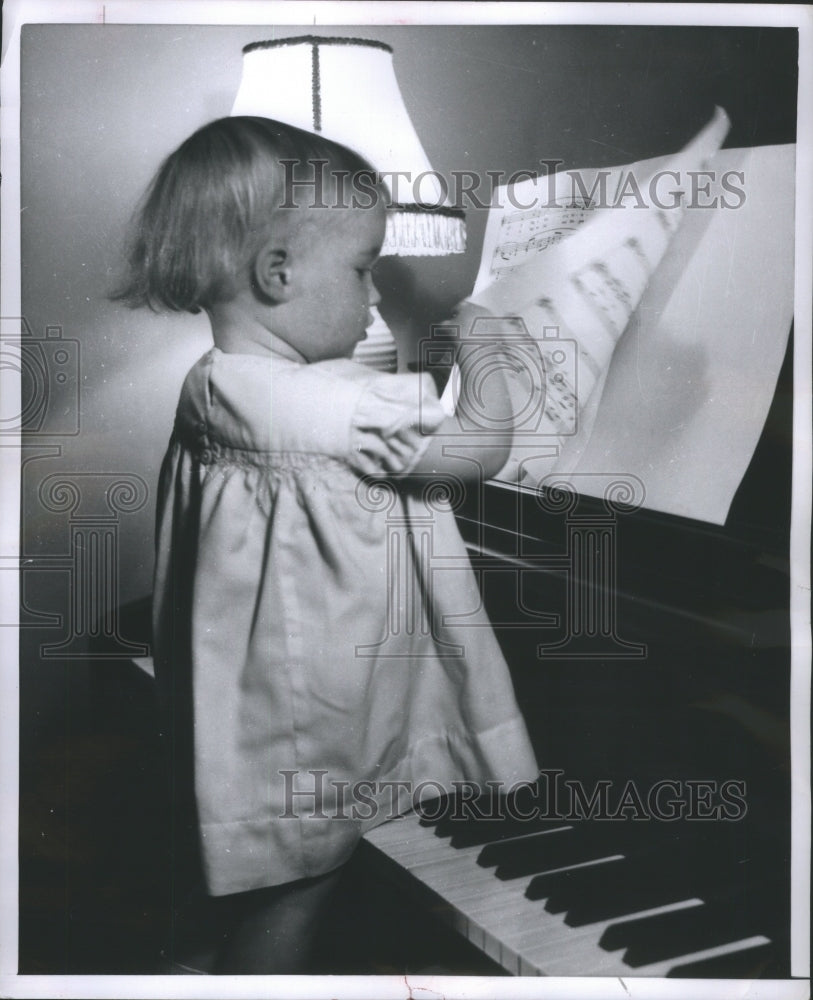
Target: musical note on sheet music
<point>525,234</point>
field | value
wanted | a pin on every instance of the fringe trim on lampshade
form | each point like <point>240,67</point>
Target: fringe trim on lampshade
<point>412,233</point>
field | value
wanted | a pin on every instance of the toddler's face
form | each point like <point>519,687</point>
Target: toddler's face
<point>335,289</point>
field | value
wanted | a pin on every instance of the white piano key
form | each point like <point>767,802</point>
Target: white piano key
<point>573,944</point>
<point>658,969</point>
<point>528,836</point>
<point>146,664</point>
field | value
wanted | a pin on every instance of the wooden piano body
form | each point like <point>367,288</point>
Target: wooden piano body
<point>689,682</point>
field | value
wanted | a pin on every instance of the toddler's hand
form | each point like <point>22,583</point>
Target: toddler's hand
<point>482,406</point>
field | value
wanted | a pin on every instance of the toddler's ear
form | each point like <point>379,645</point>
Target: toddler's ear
<point>272,273</point>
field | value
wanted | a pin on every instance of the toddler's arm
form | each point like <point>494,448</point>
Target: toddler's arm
<point>475,441</point>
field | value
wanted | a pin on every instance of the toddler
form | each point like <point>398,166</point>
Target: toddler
<point>304,624</point>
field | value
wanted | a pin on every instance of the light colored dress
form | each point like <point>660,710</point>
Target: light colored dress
<point>320,631</point>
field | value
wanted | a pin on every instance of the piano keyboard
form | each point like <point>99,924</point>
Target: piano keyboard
<point>568,900</point>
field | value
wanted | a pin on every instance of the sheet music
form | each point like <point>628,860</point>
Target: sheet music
<point>691,380</point>
<point>579,270</point>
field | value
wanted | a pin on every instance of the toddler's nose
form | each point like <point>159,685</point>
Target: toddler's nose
<point>373,297</point>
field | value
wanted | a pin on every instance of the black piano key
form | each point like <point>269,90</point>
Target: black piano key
<point>561,888</point>
<point>681,932</point>
<point>628,900</point>
<point>759,962</point>
<point>662,872</point>
<point>484,832</point>
<point>544,852</point>
<point>485,820</point>
<point>611,891</point>
<point>605,838</point>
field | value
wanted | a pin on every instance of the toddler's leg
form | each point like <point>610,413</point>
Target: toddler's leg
<point>275,928</point>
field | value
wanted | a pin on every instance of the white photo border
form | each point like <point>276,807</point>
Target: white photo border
<point>238,12</point>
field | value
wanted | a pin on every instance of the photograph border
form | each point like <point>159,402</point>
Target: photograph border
<point>238,12</point>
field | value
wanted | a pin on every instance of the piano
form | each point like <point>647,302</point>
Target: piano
<point>694,687</point>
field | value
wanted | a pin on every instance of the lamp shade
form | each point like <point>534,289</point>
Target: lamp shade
<point>346,89</point>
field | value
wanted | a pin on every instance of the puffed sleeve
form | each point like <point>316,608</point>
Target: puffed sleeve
<point>393,423</point>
